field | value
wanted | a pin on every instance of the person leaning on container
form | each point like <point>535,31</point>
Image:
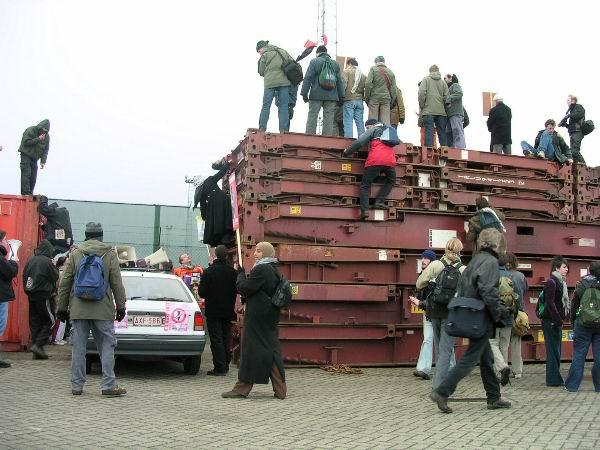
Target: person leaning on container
<point>8,270</point>
<point>583,336</point>
<point>260,358</point>
<point>556,311</point>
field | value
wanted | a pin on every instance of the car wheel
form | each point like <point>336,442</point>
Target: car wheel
<point>89,360</point>
<point>191,365</point>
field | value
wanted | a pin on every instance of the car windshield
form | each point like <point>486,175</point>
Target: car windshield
<point>158,289</point>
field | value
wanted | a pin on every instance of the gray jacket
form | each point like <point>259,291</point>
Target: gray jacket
<point>311,82</point>
<point>454,105</point>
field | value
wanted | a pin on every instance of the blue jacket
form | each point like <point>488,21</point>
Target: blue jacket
<point>311,82</point>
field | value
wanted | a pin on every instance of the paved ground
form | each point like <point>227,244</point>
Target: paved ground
<point>382,409</point>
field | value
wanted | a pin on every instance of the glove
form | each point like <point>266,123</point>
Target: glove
<point>3,250</point>
<point>346,153</point>
<point>402,121</point>
<point>305,98</point>
<point>62,316</point>
<point>120,314</point>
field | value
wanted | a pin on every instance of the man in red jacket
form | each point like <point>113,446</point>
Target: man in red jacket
<point>381,160</point>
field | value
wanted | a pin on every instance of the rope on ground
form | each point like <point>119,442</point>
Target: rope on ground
<point>342,369</point>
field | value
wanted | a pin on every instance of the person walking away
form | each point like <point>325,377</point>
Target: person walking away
<point>380,91</point>
<point>433,96</point>
<point>456,112</point>
<point>35,144</point>
<point>499,125</point>
<point>277,84</point>
<point>573,121</point>
<point>322,88</point>
<point>521,286</point>
<point>585,316</point>
<point>549,145</point>
<point>57,229</point>
<point>8,271</point>
<point>39,281</point>
<point>479,281</point>
<point>425,361</point>
<point>555,311</point>
<point>95,310</point>
<point>441,279</point>
<point>260,356</point>
<point>354,82</point>
<point>485,217</point>
<point>381,159</point>
<point>398,112</point>
<point>217,288</point>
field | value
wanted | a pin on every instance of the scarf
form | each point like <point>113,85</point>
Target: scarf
<point>491,211</point>
<point>357,77</point>
<point>267,260</point>
<point>565,293</point>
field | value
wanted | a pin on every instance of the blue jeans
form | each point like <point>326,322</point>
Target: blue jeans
<point>444,346</point>
<point>353,110</point>
<point>440,122</point>
<point>582,338</point>
<point>426,354</point>
<point>553,340</point>
<point>545,146</point>
<point>3,317</point>
<point>283,100</point>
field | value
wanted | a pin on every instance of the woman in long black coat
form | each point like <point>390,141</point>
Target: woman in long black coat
<point>261,353</point>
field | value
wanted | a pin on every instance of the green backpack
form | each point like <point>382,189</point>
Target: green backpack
<point>327,76</point>
<point>589,309</point>
<point>507,294</point>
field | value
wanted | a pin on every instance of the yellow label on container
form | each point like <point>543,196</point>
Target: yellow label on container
<point>346,167</point>
<point>567,336</point>
<point>295,210</point>
<point>294,289</point>
<point>415,310</point>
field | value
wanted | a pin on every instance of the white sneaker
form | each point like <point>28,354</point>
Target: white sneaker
<point>518,375</point>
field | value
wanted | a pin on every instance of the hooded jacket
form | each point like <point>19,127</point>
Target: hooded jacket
<point>40,275</point>
<point>32,145</point>
<point>376,88</point>
<point>562,152</point>
<point>311,81</point>
<point>589,281</point>
<point>269,67</point>
<point>8,270</point>
<point>58,229</point>
<point>454,104</point>
<point>433,94</point>
<point>91,309</point>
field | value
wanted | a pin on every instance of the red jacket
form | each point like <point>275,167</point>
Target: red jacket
<point>380,154</point>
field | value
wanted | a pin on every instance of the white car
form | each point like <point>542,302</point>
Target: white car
<point>163,319</point>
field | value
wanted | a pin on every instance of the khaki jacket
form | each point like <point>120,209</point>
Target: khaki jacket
<point>348,77</point>
<point>398,112</point>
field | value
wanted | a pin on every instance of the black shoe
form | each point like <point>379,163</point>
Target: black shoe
<point>4,364</point>
<point>363,215</point>
<point>442,402</point>
<point>380,205</point>
<point>423,375</point>
<point>76,392</point>
<point>216,373</point>
<point>38,352</point>
<point>505,376</point>
<point>498,404</point>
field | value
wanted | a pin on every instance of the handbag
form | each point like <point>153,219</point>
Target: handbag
<point>467,318</point>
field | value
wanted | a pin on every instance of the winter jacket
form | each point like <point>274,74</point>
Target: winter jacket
<point>348,77</point>
<point>454,104</point>
<point>91,309</point>
<point>574,118</point>
<point>32,145</point>
<point>586,282</point>
<point>521,286</point>
<point>429,275</point>
<point>554,310</point>
<point>8,270</point>
<point>562,152</point>
<point>433,95</point>
<point>311,81</point>
<point>217,288</point>
<point>480,280</point>
<point>58,228</point>
<point>269,67</point>
<point>376,87</point>
<point>474,227</point>
<point>498,124</point>
<point>380,154</point>
<point>40,274</point>
<point>398,112</point>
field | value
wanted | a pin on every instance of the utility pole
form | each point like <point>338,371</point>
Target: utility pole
<point>326,28</point>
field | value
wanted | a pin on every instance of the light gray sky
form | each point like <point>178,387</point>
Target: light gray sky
<point>142,93</point>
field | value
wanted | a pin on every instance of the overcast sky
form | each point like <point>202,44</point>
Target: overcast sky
<point>142,93</point>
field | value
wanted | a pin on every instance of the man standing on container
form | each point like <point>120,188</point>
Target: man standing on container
<point>573,121</point>
<point>354,81</point>
<point>380,91</point>
<point>433,95</point>
<point>498,124</point>
<point>8,270</point>
<point>34,146</point>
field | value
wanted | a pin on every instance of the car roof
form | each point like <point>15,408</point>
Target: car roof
<point>149,274</point>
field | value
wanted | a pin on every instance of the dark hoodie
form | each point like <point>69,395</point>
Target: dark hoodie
<point>32,145</point>
<point>40,275</point>
<point>58,229</point>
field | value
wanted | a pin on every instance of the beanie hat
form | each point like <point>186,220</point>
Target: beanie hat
<point>266,248</point>
<point>429,254</point>
<point>379,59</point>
<point>434,68</point>
<point>498,98</point>
<point>261,44</point>
<point>221,252</point>
<point>321,49</point>
<point>370,122</point>
<point>93,231</point>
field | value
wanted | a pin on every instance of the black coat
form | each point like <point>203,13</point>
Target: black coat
<point>58,229</point>
<point>215,208</point>
<point>574,118</point>
<point>217,288</point>
<point>498,124</point>
<point>40,274</point>
<point>554,310</point>
<point>260,339</point>
<point>8,270</point>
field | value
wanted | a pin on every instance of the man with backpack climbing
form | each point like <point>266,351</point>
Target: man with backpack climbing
<point>381,139</point>
<point>585,317</point>
<point>92,296</point>
<point>553,308</point>
<point>381,93</point>
<point>485,217</point>
<point>441,278</point>
<point>322,88</point>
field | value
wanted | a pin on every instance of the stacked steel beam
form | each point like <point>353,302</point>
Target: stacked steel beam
<point>351,279</point>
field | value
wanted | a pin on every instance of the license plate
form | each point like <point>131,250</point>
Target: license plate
<point>148,321</point>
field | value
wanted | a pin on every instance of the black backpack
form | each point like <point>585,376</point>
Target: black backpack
<point>282,296</point>
<point>446,283</point>
<point>587,127</point>
<point>291,69</point>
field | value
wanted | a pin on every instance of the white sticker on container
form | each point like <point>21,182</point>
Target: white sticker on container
<point>533,300</point>
<point>379,214</point>
<point>464,154</point>
<point>584,242</point>
<point>583,272</point>
<point>424,179</point>
<point>316,165</point>
<point>419,265</point>
<point>382,255</point>
<point>410,331</point>
<point>524,266</point>
<point>438,238</point>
